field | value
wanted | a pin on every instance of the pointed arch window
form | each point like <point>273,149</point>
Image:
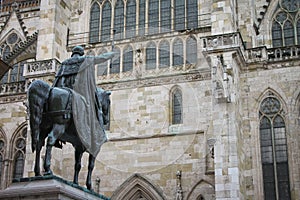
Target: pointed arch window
<point>177,52</point>
<point>151,56</point>
<point>164,54</point>
<point>130,18</point>
<point>179,15</point>
<point>115,67</point>
<point>142,11</point>
<point>153,19</point>
<point>176,106</point>
<point>192,14</point>
<point>2,156</point>
<point>106,22</point>
<point>285,25</point>
<point>165,16</point>
<point>128,59</point>
<point>19,153</point>
<point>94,23</point>
<point>119,20</point>
<point>102,67</point>
<point>274,154</point>
<point>191,50</point>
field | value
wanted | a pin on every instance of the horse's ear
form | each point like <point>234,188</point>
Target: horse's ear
<point>108,92</point>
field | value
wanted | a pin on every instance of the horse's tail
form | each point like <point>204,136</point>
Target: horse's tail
<point>38,93</point>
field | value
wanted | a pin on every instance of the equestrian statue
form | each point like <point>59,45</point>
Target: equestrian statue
<point>73,110</point>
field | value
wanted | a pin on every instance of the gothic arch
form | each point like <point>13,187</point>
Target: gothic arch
<point>176,105</point>
<point>136,187</point>
<point>3,144</point>
<point>271,92</point>
<point>18,151</point>
<point>203,189</point>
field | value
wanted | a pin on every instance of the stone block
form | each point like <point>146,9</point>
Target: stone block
<point>50,187</point>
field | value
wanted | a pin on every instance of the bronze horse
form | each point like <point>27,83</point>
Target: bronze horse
<point>50,112</point>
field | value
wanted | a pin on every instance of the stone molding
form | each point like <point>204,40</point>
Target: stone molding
<point>195,75</point>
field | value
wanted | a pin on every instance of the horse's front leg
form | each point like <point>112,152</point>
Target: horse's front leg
<point>77,166</point>
<point>90,170</point>
<point>55,133</point>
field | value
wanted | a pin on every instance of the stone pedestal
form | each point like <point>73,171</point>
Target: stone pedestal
<point>49,187</point>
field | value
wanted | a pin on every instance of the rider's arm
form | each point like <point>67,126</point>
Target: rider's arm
<point>103,57</point>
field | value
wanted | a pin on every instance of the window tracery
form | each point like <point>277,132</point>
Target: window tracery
<point>19,149</point>
<point>128,59</point>
<point>285,25</point>
<point>151,56</point>
<point>176,98</point>
<point>2,156</point>
<point>274,154</point>
<point>16,73</point>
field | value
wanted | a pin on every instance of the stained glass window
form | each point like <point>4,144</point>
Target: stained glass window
<point>153,19</point>
<point>177,52</point>
<point>274,153</point>
<point>192,14</point>
<point>102,67</point>
<point>106,22</point>
<point>191,50</point>
<point>142,6</point>
<point>165,15</point>
<point>164,54</point>
<point>119,20</point>
<point>127,59</point>
<point>151,56</point>
<point>176,107</point>
<point>285,26</point>
<point>179,15</point>
<point>94,23</point>
<point>115,67</point>
<point>130,18</point>
<point>19,153</point>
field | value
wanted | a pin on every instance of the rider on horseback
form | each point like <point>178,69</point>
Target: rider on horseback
<point>78,74</point>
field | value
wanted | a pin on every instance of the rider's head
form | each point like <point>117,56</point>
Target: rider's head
<point>78,50</point>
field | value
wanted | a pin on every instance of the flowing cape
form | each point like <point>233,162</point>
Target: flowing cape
<point>91,134</point>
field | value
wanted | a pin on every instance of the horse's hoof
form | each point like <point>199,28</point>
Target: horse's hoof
<point>48,173</point>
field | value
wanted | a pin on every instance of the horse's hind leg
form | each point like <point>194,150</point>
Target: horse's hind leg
<point>37,170</point>
<point>56,132</point>
<point>90,170</point>
<point>77,166</point>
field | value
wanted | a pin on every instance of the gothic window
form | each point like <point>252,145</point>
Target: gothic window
<point>177,52</point>
<point>164,54</point>
<point>130,18</point>
<point>115,66</point>
<point>285,25</point>
<point>128,59</point>
<point>119,19</point>
<point>94,23</point>
<point>191,50</point>
<point>151,56</point>
<point>2,149</point>
<point>274,153</point>
<point>165,15</point>
<point>106,22</point>
<point>19,153</point>
<point>179,15</point>
<point>102,67</point>
<point>176,106</point>
<point>192,14</point>
<point>16,73</point>
<point>153,14</point>
<point>142,14</point>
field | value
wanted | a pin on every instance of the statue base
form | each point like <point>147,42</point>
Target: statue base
<point>47,187</point>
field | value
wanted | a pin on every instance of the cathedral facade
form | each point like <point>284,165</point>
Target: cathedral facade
<point>205,94</point>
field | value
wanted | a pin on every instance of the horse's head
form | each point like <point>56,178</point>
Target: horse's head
<point>104,104</point>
